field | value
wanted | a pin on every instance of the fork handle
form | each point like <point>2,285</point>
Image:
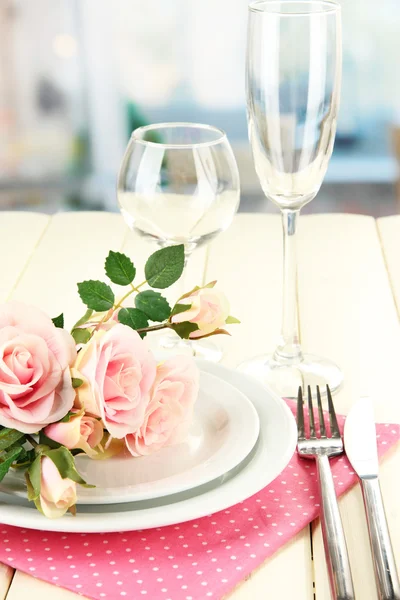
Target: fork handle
<point>336,555</point>
<point>382,552</point>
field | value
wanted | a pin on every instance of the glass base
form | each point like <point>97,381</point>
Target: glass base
<point>285,378</point>
<point>205,349</point>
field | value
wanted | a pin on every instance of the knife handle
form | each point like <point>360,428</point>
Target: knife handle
<point>384,563</point>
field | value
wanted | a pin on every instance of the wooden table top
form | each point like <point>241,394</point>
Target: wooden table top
<point>349,303</point>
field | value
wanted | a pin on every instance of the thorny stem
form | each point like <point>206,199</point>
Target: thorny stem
<point>119,304</point>
<point>165,325</point>
<point>131,291</point>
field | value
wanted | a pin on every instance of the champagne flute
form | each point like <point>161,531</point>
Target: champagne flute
<point>293,88</point>
<point>179,184</point>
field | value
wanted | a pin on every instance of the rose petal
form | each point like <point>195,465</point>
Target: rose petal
<point>57,495</point>
<point>35,385</point>
<point>169,412</point>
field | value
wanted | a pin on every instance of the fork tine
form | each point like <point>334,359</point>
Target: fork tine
<point>321,414</point>
<point>332,415</point>
<point>311,414</point>
<point>300,415</point>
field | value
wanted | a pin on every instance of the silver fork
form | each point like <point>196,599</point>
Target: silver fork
<point>321,449</point>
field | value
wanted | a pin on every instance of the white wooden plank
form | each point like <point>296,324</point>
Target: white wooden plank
<point>247,261</point>
<point>72,249</point>
<point>6,575</point>
<point>347,313</point>
<point>19,234</point>
<point>260,585</point>
<point>389,231</point>
<point>23,585</point>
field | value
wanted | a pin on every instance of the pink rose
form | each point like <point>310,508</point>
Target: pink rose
<point>35,380</point>
<point>81,431</point>
<point>118,371</point>
<point>169,413</point>
<point>57,495</point>
<point>209,310</point>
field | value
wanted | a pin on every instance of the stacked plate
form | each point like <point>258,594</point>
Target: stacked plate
<point>242,437</point>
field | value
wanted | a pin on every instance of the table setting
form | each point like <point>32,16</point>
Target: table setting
<point>144,451</point>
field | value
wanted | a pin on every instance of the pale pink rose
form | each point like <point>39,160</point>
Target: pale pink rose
<point>209,310</point>
<point>57,495</point>
<point>91,431</point>
<point>81,431</point>
<point>118,371</point>
<point>35,380</point>
<point>169,414</point>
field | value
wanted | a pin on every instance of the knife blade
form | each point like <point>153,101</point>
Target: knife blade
<point>362,452</point>
<point>360,439</point>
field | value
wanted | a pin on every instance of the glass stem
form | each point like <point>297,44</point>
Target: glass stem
<point>172,340</point>
<point>181,285</point>
<point>289,350</point>
<point>185,290</point>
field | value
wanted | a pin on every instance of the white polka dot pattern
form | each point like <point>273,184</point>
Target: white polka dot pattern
<point>192,561</point>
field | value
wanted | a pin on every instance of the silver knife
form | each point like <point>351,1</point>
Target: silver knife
<point>361,449</point>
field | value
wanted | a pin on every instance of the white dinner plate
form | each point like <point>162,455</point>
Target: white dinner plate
<point>271,454</point>
<point>222,414</point>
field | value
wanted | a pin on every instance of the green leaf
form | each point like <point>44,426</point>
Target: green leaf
<point>7,459</point>
<point>25,459</point>
<point>96,295</point>
<point>84,319</point>
<point>165,266</point>
<point>76,382</point>
<point>8,437</point>
<point>65,464</point>
<point>134,318</point>
<point>18,445</point>
<point>59,321</point>
<point>22,455</point>
<point>119,268</point>
<point>231,320</point>
<point>180,308</point>
<point>184,329</point>
<point>34,476</point>
<point>81,336</point>
<point>153,305</point>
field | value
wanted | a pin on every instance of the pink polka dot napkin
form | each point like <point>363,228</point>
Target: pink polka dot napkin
<point>197,560</point>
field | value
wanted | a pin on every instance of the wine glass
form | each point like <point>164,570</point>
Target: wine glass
<point>293,88</point>
<point>179,184</point>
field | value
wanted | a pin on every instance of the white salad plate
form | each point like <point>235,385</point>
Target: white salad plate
<point>221,414</point>
<point>271,454</point>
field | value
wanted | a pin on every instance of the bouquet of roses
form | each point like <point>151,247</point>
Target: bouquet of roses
<point>99,390</point>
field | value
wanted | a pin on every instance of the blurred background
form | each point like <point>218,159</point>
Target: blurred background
<point>77,76</point>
